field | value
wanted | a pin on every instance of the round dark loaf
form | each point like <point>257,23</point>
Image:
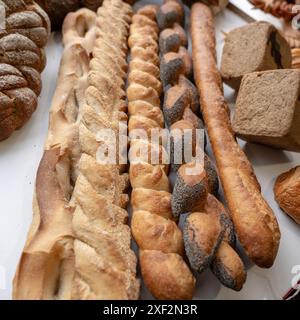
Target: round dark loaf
<point>58,9</point>
<point>22,59</point>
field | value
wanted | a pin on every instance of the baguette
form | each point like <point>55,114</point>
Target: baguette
<point>79,243</point>
<point>207,231</point>
<point>254,221</point>
<point>157,235</point>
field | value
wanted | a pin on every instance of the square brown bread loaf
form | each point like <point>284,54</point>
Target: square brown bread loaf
<point>257,46</point>
<point>268,109</point>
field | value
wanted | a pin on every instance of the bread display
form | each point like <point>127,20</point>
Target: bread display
<point>258,43</point>
<point>22,60</point>
<point>254,220</point>
<point>286,190</point>
<point>144,189</point>
<point>267,109</point>
<point>79,244</point>
<point>157,235</point>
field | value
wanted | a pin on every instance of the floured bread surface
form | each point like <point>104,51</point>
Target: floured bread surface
<point>79,243</point>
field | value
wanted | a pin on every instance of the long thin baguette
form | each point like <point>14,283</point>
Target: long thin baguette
<point>254,220</point>
<point>79,244</point>
<point>164,271</point>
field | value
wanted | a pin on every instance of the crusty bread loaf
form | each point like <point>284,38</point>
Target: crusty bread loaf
<point>157,235</point>
<point>257,46</point>
<point>268,109</point>
<point>227,265</point>
<point>208,232</point>
<point>22,59</point>
<point>254,220</point>
<point>286,191</point>
<point>79,244</point>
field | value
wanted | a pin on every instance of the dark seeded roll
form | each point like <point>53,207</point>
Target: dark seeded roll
<point>169,41</point>
<point>193,92</point>
<point>171,67</point>
<point>175,101</point>
<point>182,34</point>
<point>190,116</point>
<point>228,267</point>
<point>170,13</point>
<point>212,176</point>
<point>190,188</point>
<point>187,61</point>
<point>202,235</point>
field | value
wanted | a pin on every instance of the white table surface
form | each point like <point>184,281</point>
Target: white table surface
<point>21,153</point>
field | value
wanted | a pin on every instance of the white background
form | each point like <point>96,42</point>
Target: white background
<point>21,153</point>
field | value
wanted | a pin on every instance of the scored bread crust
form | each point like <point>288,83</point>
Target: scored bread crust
<point>22,40</point>
<point>254,220</point>
<point>79,244</point>
<point>164,271</point>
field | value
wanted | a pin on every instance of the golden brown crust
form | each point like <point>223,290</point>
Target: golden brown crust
<point>166,275</point>
<point>79,243</point>
<point>286,190</point>
<point>202,236</point>
<point>254,220</point>
<point>153,226</point>
<point>228,267</point>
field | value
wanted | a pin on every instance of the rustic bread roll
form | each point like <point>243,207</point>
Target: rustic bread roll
<point>22,59</point>
<point>258,43</point>
<point>209,241</point>
<point>190,188</point>
<point>169,13</point>
<point>202,236</point>
<point>228,267</point>
<point>226,264</point>
<point>286,190</point>
<point>166,275</point>
<point>254,221</point>
<point>158,237</point>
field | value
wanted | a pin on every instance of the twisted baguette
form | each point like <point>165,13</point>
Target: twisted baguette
<point>48,249</point>
<point>79,244</point>
<point>206,235</point>
<point>253,219</point>
<point>22,59</point>
<point>160,240</point>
